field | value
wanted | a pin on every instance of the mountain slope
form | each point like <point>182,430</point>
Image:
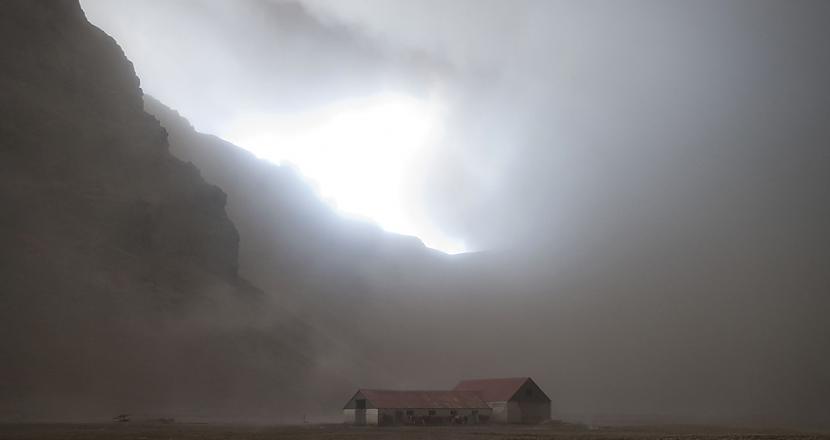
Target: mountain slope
<point>286,226</point>
<point>118,263</point>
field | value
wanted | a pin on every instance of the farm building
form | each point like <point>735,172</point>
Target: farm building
<point>514,400</point>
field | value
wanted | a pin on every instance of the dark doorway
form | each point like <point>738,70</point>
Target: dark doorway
<point>360,412</point>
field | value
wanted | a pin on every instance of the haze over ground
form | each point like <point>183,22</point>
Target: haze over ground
<point>647,182</point>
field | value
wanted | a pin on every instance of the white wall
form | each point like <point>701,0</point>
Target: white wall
<point>372,416</point>
<point>348,416</point>
<point>499,411</point>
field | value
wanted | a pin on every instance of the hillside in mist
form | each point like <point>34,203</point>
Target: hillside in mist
<point>290,240</point>
<point>125,280</point>
<point>150,268</point>
<point>332,271</point>
<point>118,262</point>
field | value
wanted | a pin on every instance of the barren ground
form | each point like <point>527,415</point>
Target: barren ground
<point>134,431</point>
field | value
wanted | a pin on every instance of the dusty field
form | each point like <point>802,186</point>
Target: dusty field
<point>133,431</point>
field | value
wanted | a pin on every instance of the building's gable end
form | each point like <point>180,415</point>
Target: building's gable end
<point>529,391</point>
<point>352,403</point>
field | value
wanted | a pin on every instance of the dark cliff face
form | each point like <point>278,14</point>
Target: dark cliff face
<point>118,263</point>
<point>74,128</point>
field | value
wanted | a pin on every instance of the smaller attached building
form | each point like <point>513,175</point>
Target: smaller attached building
<point>393,407</point>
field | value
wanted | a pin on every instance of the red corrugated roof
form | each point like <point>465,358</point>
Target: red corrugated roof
<point>423,399</point>
<point>493,390</point>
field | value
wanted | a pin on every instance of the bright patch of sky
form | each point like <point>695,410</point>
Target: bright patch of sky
<point>359,153</point>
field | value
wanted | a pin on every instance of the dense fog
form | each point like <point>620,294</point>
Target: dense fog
<point>644,184</point>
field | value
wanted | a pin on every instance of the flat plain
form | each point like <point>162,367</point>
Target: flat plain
<point>182,431</point>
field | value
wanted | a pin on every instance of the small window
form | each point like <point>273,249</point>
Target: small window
<point>528,392</point>
<point>360,403</point>
<point>453,412</point>
<point>432,412</point>
<point>410,412</point>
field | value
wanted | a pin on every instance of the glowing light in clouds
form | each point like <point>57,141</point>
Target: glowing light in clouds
<point>359,153</point>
